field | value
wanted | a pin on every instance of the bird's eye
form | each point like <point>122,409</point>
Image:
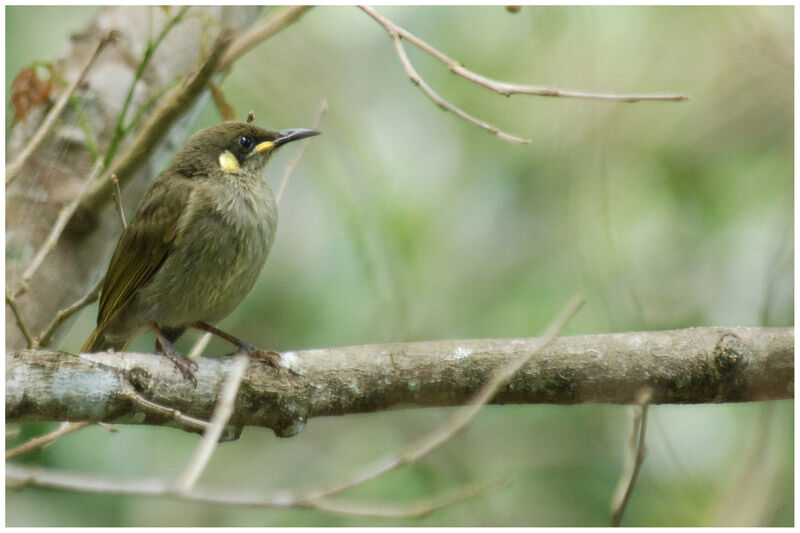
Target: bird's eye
<point>246,142</point>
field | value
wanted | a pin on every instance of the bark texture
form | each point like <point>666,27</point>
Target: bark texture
<point>696,365</point>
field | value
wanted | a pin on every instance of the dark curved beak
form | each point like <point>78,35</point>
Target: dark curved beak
<point>295,134</point>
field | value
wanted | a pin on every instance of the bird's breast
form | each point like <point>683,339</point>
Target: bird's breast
<point>223,239</point>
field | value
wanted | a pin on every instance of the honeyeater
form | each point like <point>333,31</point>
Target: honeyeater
<point>196,244</point>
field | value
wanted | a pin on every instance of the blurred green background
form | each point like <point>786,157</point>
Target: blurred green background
<point>405,223</point>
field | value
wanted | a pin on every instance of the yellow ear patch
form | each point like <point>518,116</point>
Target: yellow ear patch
<point>228,162</point>
<point>264,147</point>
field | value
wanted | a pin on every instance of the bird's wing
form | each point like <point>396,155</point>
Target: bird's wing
<point>145,243</point>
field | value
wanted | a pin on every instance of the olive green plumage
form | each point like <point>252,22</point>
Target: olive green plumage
<point>199,239</point>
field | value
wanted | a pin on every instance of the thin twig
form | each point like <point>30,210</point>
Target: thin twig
<point>19,476</point>
<point>226,110</point>
<point>117,197</point>
<point>187,422</point>
<point>635,453</point>
<point>429,442</point>
<point>41,441</point>
<point>56,231</point>
<point>444,104</point>
<point>91,295</point>
<point>261,32</point>
<point>410,509</point>
<point>12,171</point>
<point>504,88</point>
<point>222,413</point>
<point>199,346</point>
<point>290,168</point>
<point>12,303</point>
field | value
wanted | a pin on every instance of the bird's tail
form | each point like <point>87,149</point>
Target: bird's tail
<point>97,342</point>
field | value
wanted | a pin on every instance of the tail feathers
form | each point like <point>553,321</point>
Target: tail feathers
<point>97,342</point>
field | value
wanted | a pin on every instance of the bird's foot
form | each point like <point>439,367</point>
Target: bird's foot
<point>165,346</point>
<point>271,357</point>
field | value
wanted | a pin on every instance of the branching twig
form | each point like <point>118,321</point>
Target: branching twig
<point>222,413</point>
<point>186,422</point>
<point>12,303</point>
<point>44,129</point>
<point>507,89</point>
<point>290,168</point>
<point>19,476</point>
<point>398,33</point>
<point>634,453</point>
<point>462,417</point>
<point>55,232</point>
<point>91,295</point>
<point>444,104</point>
<point>40,442</point>
<point>261,32</point>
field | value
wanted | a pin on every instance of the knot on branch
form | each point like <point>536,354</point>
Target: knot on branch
<point>729,353</point>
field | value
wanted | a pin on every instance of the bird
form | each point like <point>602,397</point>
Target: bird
<point>196,245</point>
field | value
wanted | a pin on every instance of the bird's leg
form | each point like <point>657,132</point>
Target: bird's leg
<point>172,335</point>
<point>272,358</point>
<point>183,363</point>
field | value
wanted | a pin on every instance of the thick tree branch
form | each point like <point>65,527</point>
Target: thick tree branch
<point>696,365</point>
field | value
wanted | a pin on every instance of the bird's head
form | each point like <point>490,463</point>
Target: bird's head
<point>232,147</point>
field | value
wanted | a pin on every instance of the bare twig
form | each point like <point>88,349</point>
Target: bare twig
<point>19,476</point>
<point>427,443</point>
<point>199,346</point>
<point>186,422</point>
<point>55,232</point>
<point>91,295</point>
<point>444,104</point>
<point>408,510</point>
<point>226,110</point>
<point>261,32</point>
<point>290,168</point>
<point>635,453</point>
<point>12,303</point>
<point>41,441</point>
<point>117,197</point>
<point>507,89</point>
<point>12,171</point>
<point>222,413</point>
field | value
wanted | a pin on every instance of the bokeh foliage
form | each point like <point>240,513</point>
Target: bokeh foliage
<point>405,223</point>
